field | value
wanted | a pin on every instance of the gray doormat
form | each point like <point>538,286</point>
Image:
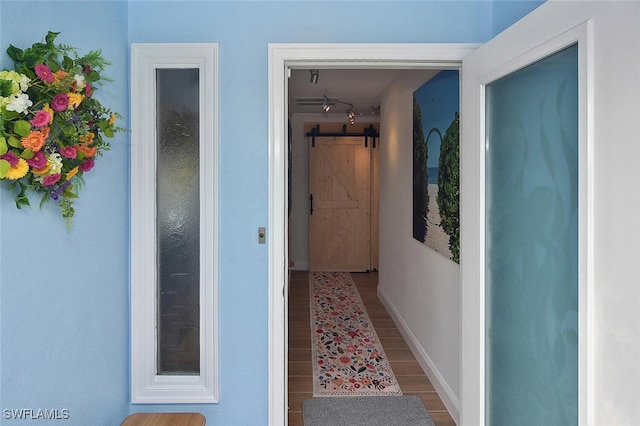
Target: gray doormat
<point>365,411</point>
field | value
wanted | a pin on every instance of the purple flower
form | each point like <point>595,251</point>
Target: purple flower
<point>68,151</point>
<point>11,158</point>
<point>59,189</point>
<point>86,165</point>
<point>60,102</point>
<point>49,180</point>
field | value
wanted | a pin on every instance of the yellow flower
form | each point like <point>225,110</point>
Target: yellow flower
<point>19,171</point>
<point>112,119</point>
<point>47,108</point>
<point>74,100</point>
<point>42,171</point>
<point>71,173</point>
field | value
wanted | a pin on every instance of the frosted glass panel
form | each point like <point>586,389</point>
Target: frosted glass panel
<point>178,221</point>
<point>532,245</point>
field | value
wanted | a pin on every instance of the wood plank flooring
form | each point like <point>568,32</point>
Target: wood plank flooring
<point>408,372</point>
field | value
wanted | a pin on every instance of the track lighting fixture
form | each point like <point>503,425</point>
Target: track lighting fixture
<point>352,117</point>
<point>326,104</point>
<point>313,78</point>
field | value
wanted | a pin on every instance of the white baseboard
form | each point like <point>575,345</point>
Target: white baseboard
<point>430,370</point>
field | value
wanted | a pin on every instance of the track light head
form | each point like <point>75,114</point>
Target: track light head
<point>313,77</point>
<point>326,104</point>
<point>352,117</point>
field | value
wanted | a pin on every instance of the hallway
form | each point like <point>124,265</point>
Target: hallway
<point>407,370</point>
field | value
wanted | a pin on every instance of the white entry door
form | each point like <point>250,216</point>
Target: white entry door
<point>527,213</point>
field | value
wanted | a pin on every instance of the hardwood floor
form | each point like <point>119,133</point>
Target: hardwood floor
<point>408,372</point>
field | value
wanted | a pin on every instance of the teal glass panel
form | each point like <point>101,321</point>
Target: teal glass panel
<point>532,244</point>
<point>178,221</point>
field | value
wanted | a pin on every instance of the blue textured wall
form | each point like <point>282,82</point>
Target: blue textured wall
<point>64,296</point>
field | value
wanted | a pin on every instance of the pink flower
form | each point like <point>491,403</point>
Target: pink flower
<point>38,161</point>
<point>86,165</point>
<point>51,179</point>
<point>350,348</point>
<point>345,359</point>
<point>68,151</point>
<point>60,102</point>
<point>41,118</point>
<point>44,73</point>
<point>11,158</point>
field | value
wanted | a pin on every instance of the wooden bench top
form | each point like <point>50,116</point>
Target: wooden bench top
<point>164,419</point>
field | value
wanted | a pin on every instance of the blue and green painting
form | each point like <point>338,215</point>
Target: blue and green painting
<point>436,163</point>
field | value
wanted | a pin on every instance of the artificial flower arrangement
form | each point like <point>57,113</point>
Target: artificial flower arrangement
<point>52,128</point>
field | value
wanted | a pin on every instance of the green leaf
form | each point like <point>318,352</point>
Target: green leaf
<point>10,115</point>
<point>69,130</point>
<point>28,72</point>
<point>15,53</point>
<point>27,154</point>
<point>3,145</point>
<point>14,142</point>
<point>53,65</point>
<point>22,128</point>
<point>50,37</point>
<point>5,166</point>
<point>22,199</point>
<point>67,62</point>
<point>108,132</point>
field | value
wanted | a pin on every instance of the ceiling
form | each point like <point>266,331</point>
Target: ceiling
<point>361,88</point>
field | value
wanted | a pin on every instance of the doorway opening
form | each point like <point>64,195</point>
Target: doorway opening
<point>282,59</point>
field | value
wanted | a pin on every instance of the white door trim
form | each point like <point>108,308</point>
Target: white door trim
<point>282,58</point>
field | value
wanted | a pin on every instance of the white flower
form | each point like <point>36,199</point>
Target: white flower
<point>79,82</point>
<point>24,82</point>
<point>19,103</point>
<point>55,160</point>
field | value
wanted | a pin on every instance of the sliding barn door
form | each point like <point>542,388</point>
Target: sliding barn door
<point>340,205</point>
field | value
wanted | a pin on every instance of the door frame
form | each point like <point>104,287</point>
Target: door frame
<point>282,58</point>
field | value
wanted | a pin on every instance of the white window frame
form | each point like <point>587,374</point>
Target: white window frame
<point>147,387</point>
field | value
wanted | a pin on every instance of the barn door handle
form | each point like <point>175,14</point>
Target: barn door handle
<point>311,204</point>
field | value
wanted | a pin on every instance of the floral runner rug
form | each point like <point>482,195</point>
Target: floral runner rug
<point>348,359</point>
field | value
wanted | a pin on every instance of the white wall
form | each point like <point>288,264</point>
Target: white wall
<point>420,287</point>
